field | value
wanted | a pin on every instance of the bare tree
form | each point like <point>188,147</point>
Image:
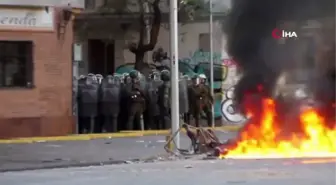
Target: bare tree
<point>187,10</point>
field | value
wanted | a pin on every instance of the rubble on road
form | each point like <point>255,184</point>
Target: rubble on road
<point>203,142</point>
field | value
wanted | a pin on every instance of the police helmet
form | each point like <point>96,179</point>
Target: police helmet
<point>194,77</point>
<point>165,75</point>
<point>202,76</point>
<point>134,74</point>
<point>82,77</point>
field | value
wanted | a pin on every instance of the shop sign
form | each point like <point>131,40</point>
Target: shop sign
<point>27,19</point>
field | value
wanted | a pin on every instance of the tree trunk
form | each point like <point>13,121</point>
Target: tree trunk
<point>142,48</point>
<point>139,60</point>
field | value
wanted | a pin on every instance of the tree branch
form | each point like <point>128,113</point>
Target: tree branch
<point>133,48</point>
<point>155,28</point>
<point>142,25</point>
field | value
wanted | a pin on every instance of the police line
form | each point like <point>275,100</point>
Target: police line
<point>132,101</point>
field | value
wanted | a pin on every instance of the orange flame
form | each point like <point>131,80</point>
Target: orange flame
<point>264,140</point>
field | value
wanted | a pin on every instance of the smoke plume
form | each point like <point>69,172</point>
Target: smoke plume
<point>261,58</point>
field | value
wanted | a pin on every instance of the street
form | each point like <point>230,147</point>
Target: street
<point>206,172</point>
<point>14,157</point>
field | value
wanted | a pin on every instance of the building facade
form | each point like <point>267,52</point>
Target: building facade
<point>36,41</point>
<point>105,37</point>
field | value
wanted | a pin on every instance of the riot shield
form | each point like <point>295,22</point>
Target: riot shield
<point>88,92</point>
<point>127,79</point>
<point>124,94</point>
<point>152,93</point>
<point>80,85</point>
<point>183,95</point>
<point>188,79</point>
<point>81,122</point>
<point>110,97</point>
<point>143,81</point>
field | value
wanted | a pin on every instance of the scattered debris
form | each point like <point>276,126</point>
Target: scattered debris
<point>188,166</point>
<point>128,162</point>
<point>203,141</point>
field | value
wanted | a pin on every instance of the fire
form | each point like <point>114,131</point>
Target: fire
<point>267,139</point>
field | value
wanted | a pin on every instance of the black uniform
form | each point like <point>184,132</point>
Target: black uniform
<point>136,101</point>
<point>136,105</point>
<point>82,125</point>
<point>123,113</point>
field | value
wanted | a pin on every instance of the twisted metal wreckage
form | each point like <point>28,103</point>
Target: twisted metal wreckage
<point>203,141</point>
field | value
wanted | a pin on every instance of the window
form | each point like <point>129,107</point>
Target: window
<point>16,63</point>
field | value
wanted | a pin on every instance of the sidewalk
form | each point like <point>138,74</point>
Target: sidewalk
<point>60,154</point>
<point>78,153</point>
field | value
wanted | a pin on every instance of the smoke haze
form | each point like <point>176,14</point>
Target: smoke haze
<point>261,58</point>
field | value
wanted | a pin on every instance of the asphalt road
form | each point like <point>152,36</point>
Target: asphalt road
<point>224,172</point>
<point>84,153</point>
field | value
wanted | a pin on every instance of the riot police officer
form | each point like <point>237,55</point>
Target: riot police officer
<point>99,119</point>
<point>152,113</point>
<point>82,127</point>
<point>200,99</point>
<point>136,101</point>
<point>88,101</point>
<point>183,97</point>
<point>125,88</point>
<point>110,99</point>
<point>164,100</point>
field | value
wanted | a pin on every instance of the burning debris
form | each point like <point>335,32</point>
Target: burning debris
<point>268,138</point>
<point>203,141</point>
<point>280,127</point>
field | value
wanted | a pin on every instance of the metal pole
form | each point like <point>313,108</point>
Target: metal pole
<point>211,62</point>
<point>175,113</point>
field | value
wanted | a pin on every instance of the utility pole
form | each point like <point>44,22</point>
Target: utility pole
<point>175,113</point>
<point>211,61</point>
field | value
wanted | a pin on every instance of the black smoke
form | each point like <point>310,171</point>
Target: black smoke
<point>261,58</point>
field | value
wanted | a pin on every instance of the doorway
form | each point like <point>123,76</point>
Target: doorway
<point>101,56</point>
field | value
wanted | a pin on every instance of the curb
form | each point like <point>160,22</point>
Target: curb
<point>86,137</point>
<point>227,128</point>
<point>81,137</point>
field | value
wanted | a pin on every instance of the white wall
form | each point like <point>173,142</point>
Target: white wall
<point>189,36</point>
<point>188,42</point>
